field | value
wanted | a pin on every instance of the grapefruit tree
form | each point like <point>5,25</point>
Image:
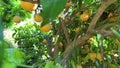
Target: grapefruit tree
<point>71,33</point>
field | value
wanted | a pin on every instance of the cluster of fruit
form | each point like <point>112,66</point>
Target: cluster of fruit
<point>31,6</point>
<point>94,56</point>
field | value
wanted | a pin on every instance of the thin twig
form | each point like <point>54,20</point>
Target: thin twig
<point>108,25</point>
<point>102,52</point>
<point>104,33</point>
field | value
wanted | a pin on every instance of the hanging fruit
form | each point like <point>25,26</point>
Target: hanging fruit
<point>46,28</point>
<point>84,17</point>
<point>113,18</point>
<point>68,4</point>
<point>94,56</point>
<point>38,18</point>
<point>16,19</point>
<point>99,56</point>
<point>29,5</point>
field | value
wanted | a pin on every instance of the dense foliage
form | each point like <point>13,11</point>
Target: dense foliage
<point>61,33</point>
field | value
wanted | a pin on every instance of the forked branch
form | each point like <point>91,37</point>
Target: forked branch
<point>101,9</point>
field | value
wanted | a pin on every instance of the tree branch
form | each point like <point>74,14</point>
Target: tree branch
<point>101,9</point>
<point>104,33</point>
<point>65,31</point>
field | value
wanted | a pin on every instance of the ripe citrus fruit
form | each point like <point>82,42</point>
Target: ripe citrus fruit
<point>84,17</point>
<point>68,4</point>
<point>28,6</point>
<point>112,18</point>
<point>90,40</point>
<point>99,57</point>
<point>16,19</point>
<point>46,28</point>
<point>92,56</point>
<point>38,18</point>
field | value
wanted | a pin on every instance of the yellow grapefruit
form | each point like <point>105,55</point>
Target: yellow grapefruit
<point>46,28</point>
<point>84,17</point>
<point>38,18</point>
<point>68,4</point>
<point>16,19</point>
<point>99,56</point>
<point>92,56</point>
<point>28,6</point>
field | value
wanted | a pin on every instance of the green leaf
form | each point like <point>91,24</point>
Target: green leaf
<point>1,42</point>
<point>1,30</point>
<point>98,65</point>
<point>119,19</point>
<point>58,59</point>
<point>113,66</point>
<point>88,2</point>
<point>8,65</point>
<point>98,36</point>
<point>51,9</point>
<point>14,55</point>
<point>86,59</point>
<point>72,63</point>
<point>119,52</point>
<point>80,3</point>
<point>116,33</point>
<point>49,64</point>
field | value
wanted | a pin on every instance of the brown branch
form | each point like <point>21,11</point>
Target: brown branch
<point>108,25</point>
<point>59,29</point>
<point>80,41</point>
<point>101,9</point>
<point>65,30</point>
<point>55,47</point>
<point>104,33</point>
